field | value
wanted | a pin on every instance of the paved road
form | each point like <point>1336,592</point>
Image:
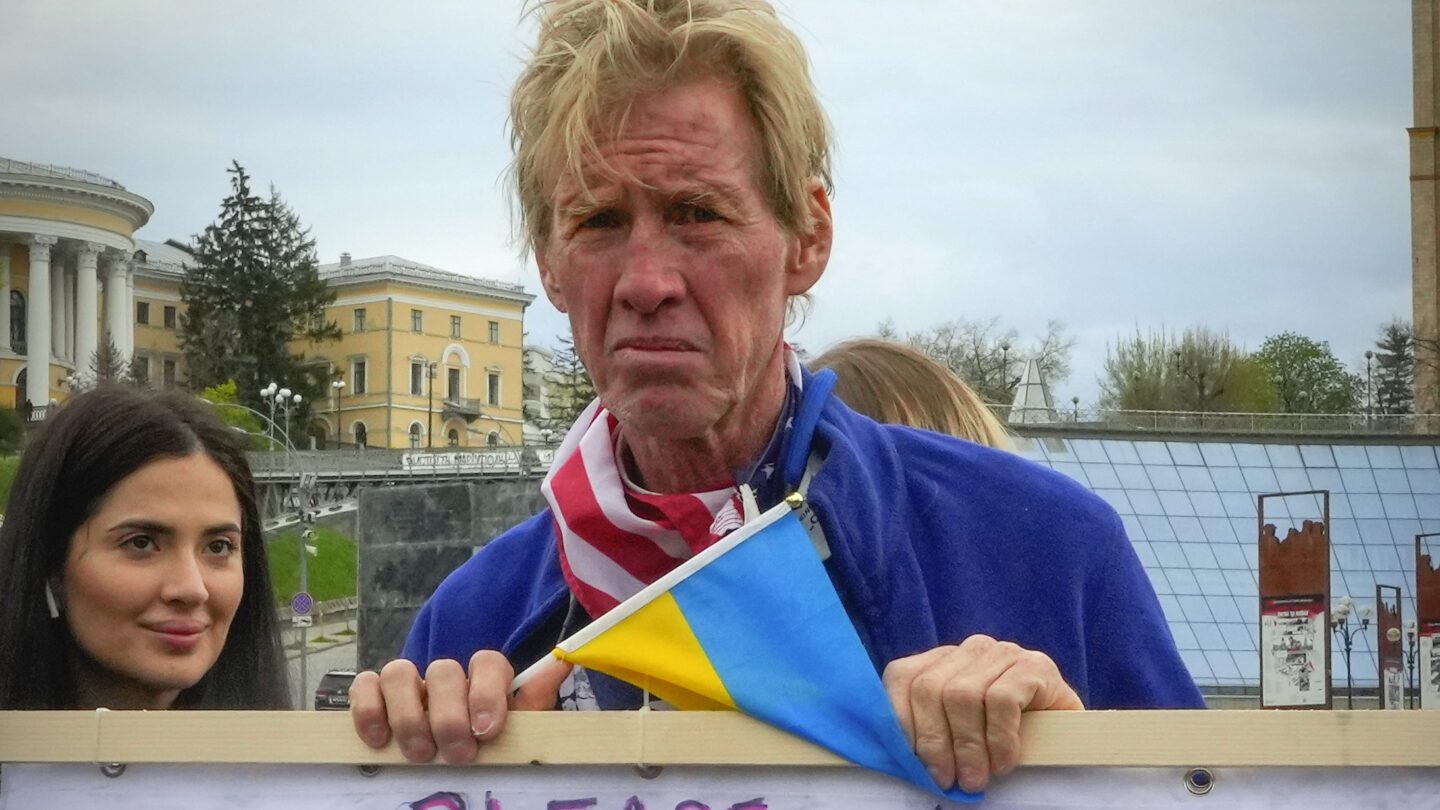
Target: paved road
<point>319,659</point>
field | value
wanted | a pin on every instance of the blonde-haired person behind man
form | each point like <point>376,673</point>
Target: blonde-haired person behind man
<point>672,165</point>
<point>895,383</point>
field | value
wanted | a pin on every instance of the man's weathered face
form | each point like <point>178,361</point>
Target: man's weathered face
<point>673,268</point>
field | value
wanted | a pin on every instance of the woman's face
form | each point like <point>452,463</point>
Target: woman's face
<point>152,582</point>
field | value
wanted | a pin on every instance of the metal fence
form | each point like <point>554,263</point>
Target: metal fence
<point>1216,422</point>
<point>59,172</point>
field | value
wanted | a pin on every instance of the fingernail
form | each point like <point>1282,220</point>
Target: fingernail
<point>938,776</point>
<point>971,780</point>
<point>481,723</point>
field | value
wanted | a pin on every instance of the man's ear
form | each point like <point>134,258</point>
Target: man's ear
<point>548,279</point>
<point>812,252</point>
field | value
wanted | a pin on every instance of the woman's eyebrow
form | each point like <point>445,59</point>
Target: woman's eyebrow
<point>156,527</point>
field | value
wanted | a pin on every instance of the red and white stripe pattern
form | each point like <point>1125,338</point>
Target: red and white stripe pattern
<point>615,538</point>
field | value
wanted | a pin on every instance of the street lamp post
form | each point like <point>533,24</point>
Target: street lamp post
<point>267,395</point>
<point>1369,385</point>
<point>1345,634</point>
<point>337,386</point>
<point>1075,404</point>
<point>1411,633</point>
<point>1005,367</point>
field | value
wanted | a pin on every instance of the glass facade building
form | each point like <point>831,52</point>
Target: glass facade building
<point>1190,507</point>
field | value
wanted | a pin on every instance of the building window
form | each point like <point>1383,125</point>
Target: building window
<point>142,312</point>
<point>417,379</point>
<point>168,373</point>
<point>359,320</point>
<point>361,434</point>
<point>414,435</point>
<point>495,332</point>
<point>357,377</point>
<point>453,438</point>
<point>17,321</point>
<point>492,388</point>
<point>169,317</point>
<point>455,326</point>
<point>140,369</point>
<point>452,384</point>
<point>417,321</point>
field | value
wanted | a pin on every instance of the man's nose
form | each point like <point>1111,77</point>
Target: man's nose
<point>651,272</point>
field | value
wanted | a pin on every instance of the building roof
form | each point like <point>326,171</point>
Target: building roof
<point>395,268</point>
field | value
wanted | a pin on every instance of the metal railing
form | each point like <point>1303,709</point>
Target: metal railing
<point>8,166</point>
<point>376,462</point>
<point>1216,422</point>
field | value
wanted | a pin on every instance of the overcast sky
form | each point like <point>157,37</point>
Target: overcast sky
<point>1238,164</point>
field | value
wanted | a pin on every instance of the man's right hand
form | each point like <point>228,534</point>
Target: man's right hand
<point>448,712</point>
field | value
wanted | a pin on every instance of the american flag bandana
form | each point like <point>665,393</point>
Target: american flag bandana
<point>614,537</point>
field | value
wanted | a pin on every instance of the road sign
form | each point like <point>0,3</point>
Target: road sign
<point>302,604</point>
<point>302,621</point>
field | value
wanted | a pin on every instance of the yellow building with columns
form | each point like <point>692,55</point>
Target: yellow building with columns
<point>66,266</point>
<point>427,358</point>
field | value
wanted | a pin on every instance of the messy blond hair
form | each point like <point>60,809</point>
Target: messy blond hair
<point>594,57</point>
<point>895,383</point>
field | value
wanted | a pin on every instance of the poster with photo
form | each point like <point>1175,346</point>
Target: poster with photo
<point>1429,665</point>
<point>1293,670</point>
<point>1394,689</point>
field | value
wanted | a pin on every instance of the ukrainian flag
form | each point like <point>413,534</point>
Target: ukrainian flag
<point>753,624</point>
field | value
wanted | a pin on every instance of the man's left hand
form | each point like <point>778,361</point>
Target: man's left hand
<point>961,705</point>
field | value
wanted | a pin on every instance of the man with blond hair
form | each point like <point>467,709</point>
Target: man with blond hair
<point>673,170</point>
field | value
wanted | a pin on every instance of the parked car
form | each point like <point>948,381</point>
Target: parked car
<point>334,690</point>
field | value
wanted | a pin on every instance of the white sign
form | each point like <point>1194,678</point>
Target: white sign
<point>551,787</point>
<point>1429,684</point>
<point>302,621</point>
<point>512,459</point>
<point>1292,652</point>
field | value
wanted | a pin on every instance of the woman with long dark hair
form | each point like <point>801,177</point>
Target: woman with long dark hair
<point>133,566</point>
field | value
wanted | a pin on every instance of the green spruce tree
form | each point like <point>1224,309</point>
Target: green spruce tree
<point>1393,369</point>
<point>570,389</point>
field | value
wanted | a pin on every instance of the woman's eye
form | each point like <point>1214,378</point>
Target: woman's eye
<point>222,546</point>
<point>140,542</point>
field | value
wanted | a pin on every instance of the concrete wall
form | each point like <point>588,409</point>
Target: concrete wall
<point>412,537</point>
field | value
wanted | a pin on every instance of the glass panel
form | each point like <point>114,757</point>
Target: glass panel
<point>1357,480</point>
<point>1132,527</point>
<point>1186,453</point>
<point>1349,455</point>
<point>1071,469</point>
<point>1384,456</point>
<point>1198,666</point>
<point>1144,502</point>
<point>1212,582</point>
<point>1164,478</point>
<point>1199,555</point>
<point>1403,531</point>
<point>1366,506</point>
<point>1385,558</point>
<point>1260,479</point>
<point>1187,529</point>
<point>1158,581</point>
<point>1026,447</point>
<point>1207,504</point>
<point>1196,611</point>
<point>1243,585</point>
<point>1088,450</point>
<point>1292,479</point>
<point>1182,581</point>
<point>1208,635</point>
<point>1146,553</point>
<point>1317,455</point>
<point>1239,505</point>
<point>1196,479</point>
<point>1224,609</point>
<point>1248,664</point>
<point>1426,481</point>
<point>1171,608</point>
<point>1418,457</point>
<point>1217,529</point>
<point>1175,503</point>
<point>1340,505</point>
<point>1228,479</point>
<point>1251,455</point>
<point>1247,530</point>
<point>1350,558</point>
<point>1153,452</point>
<point>1344,531</point>
<point>1132,476</point>
<point>1428,507</point>
<point>1283,455</point>
<point>1398,506</point>
<point>1184,636</point>
<point>1230,556</point>
<point>1218,454</point>
<point>1374,531</point>
<point>1169,555</point>
<point>1116,498</point>
<point>1223,665</point>
<point>1100,475</point>
<point>1121,452</point>
<point>1326,479</point>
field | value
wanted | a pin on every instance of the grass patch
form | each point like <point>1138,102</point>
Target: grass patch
<point>332,573</point>
<point>346,632</point>
<point>8,466</point>
<point>322,640</point>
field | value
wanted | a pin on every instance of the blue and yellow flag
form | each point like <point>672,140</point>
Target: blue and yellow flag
<point>753,624</point>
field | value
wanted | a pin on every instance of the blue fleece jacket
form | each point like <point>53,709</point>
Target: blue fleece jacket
<point>932,539</point>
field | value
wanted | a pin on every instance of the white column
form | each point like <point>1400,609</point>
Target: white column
<point>4,297</point>
<point>57,304</point>
<point>128,347</point>
<point>37,323</point>
<point>116,300</point>
<point>69,276</point>
<point>87,314</point>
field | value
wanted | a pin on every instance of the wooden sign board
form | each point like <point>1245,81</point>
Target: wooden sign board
<point>708,761</point>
